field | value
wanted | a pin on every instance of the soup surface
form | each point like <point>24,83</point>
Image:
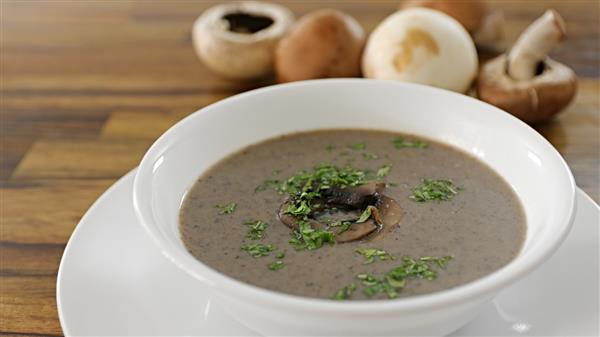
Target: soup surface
<point>352,214</point>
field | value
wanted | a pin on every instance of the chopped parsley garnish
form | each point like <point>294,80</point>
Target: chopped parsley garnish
<point>256,229</point>
<point>322,177</point>
<point>358,146</point>
<point>371,253</point>
<point>366,214</point>
<point>304,189</point>
<point>257,250</point>
<point>330,147</point>
<point>299,209</point>
<point>276,265</point>
<point>344,293</point>
<point>226,209</point>
<point>344,225</point>
<point>309,238</point>
<point>394,281</point>
<point>372,286</point>
<point>434,190</point>
<point>400,143</point>
<point>384,170</point>
<point>280,255</point>
<point>370,156</point>
<point>441,262</point>
<point>267,184</point>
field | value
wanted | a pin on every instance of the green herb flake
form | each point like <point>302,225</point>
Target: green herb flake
<point>300,209</point>
<point>267,184</point>
<point>392,283</point>
<point>434,190</point>
<point>370,156</point>
<point>256,229</point>
<point>226,209</point>
<point>344,225</point>
<point>358,146</point>
<point>309,238</point>
<point>441,262</point>
<point>384,170</point>
<point>372,286</point>
<point>330,148</point>
<point>345,293</point>
<point>305,187</point>
<point>276,265</point>
<point>280,255</point>
<point>366,214</point>
<point>400,143</point>
<point>371,253</point>
<point>257,250</point>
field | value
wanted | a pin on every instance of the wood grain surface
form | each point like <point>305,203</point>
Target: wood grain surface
<point>87,86</point>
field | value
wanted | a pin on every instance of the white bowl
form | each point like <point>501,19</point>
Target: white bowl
<point>533,168</point>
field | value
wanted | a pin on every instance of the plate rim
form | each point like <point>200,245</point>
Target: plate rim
<point>105,195</point>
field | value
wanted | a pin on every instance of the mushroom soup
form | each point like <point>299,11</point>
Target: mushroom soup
<point>352,214</point>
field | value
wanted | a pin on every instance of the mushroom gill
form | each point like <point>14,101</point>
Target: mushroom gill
<point>246,23</point>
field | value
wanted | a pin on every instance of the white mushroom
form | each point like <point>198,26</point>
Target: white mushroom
<point>237,40</point>
<point>423,46</point>
<point>526,82</point>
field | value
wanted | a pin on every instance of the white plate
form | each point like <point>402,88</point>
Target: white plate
<point>113,281</point>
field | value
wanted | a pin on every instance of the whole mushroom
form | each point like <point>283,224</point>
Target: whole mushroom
<point>423,46</point>
<point>324,43</point>
<point>237,40</point>
<point>526,82</point>
<point>485,26</point>
<point>469,13</point>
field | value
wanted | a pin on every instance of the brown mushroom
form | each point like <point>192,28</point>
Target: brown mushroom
<point>385,212</point>
<point>357,231</point>
<point>353,196</point>
<point>293,222</point>
<point>325,43</point>
<point>526,82</point>
<point>485,27</point>
<point>389,213</point>
<point>470,14</point>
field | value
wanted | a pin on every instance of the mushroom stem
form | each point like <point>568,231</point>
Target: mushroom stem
<point>534,44</point>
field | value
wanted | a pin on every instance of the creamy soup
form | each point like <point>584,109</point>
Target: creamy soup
<point>352,214</point>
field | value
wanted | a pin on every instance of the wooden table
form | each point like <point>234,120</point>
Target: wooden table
<point>87,87</point>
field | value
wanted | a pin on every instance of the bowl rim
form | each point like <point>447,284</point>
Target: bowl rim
<point>229,286</point>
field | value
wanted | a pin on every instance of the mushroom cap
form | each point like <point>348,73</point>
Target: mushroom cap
<point>324,43</point>
<point>423,46</point>
<point>532,101</point>
<point>240,55</point>
<point>470,14</point>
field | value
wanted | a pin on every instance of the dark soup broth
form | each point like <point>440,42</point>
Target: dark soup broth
<point>352,214</point>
